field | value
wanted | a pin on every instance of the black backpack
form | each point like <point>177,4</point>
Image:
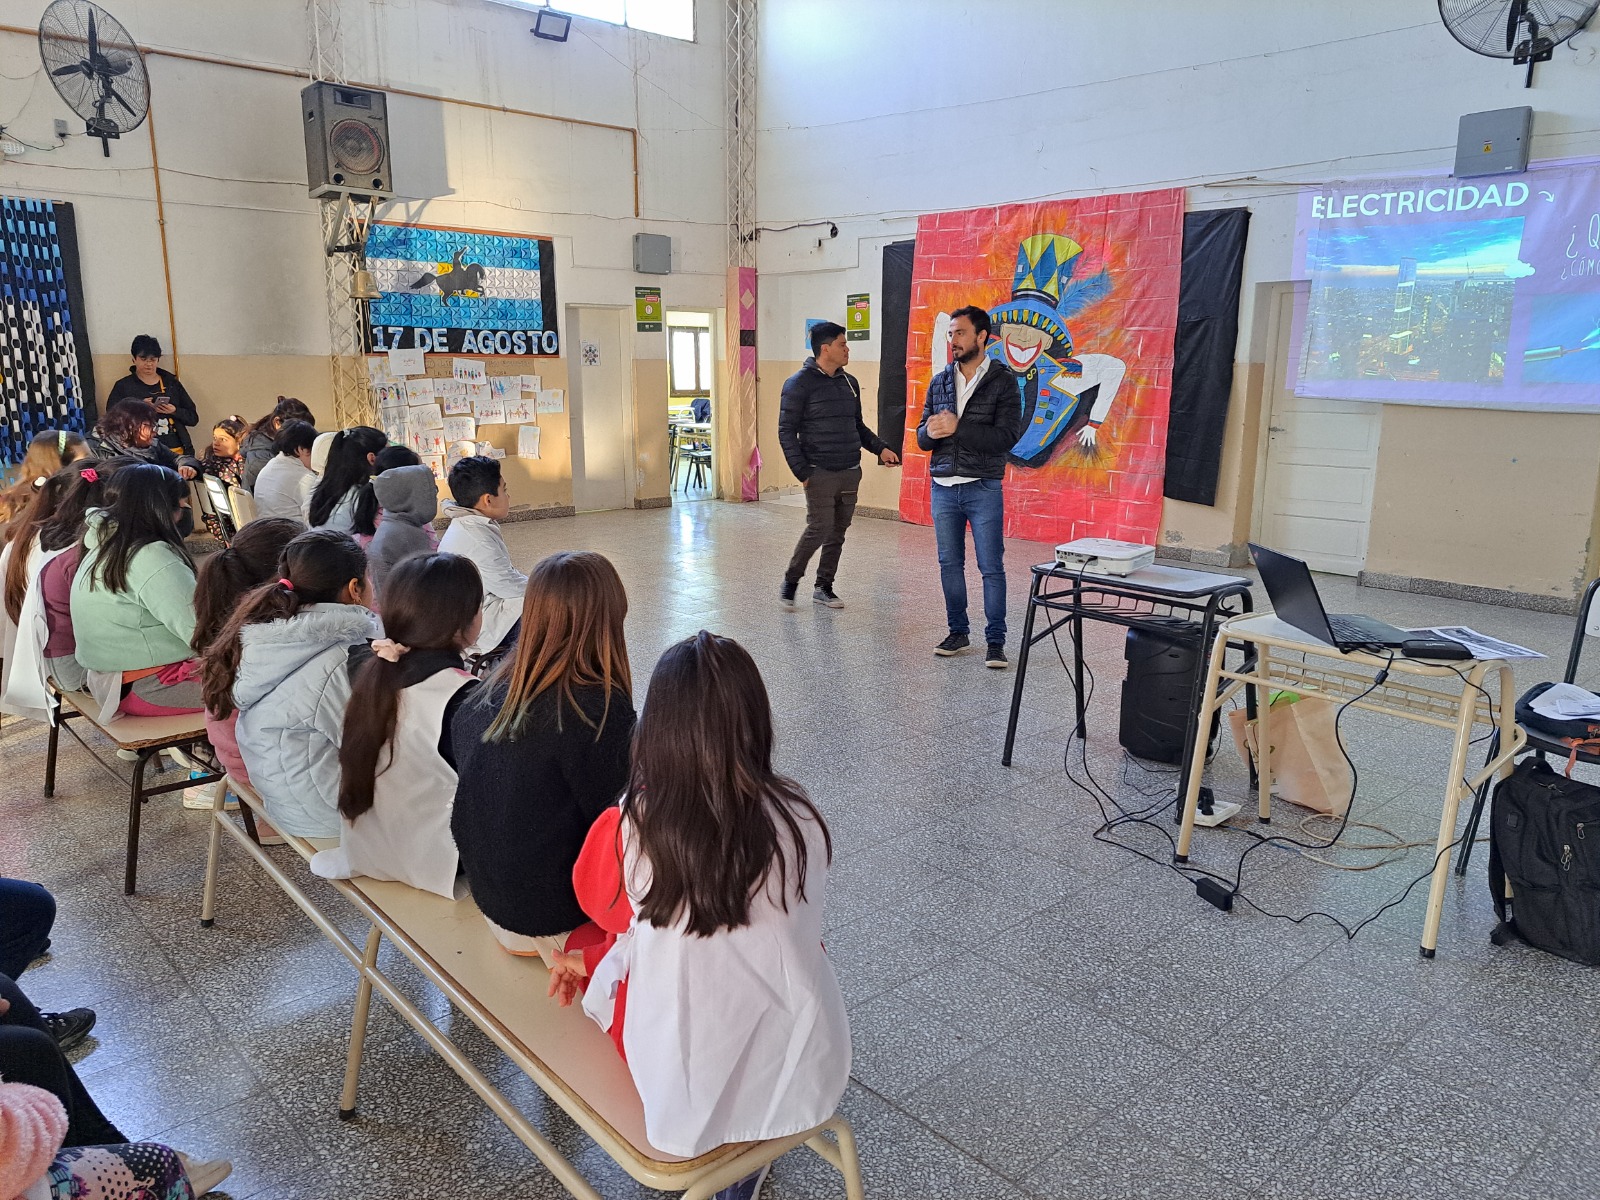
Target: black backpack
<point>1544,839</point>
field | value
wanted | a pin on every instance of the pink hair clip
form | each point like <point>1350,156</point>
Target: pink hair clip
<point>389,651</point>
<point>288,585</point>
<point>90,475</point>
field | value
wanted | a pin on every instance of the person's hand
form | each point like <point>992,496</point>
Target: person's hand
<point>185,471</point>
<point>5,1006</point>
<point>889,458</point>
<point>942,425</point>
<point>567,974</point>
<point>164,407</point>
<point>1087,436</point>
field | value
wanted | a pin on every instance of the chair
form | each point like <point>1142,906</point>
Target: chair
<point>214,503</point>
<point>699,466</point>
<point>1539,743</point>
<point>243,505</point>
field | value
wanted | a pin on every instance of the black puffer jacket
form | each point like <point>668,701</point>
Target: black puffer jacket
<point>989,426</point>
<point>819,422</point>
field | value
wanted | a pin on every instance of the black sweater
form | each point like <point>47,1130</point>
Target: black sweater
<point>525,804</point>
<point>172,431</point>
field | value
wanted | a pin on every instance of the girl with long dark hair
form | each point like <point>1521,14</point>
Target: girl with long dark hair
<point>397,771</point>
<point>250,561</point>
<point>256,445</point>
<point>350,462</point>
<point>47,453</point>
<point>133,595</point>
<point>282,662</point>
<point>543,750</point>
<point>733,1025</point>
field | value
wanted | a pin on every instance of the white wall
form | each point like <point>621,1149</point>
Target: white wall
<point>244,236</point>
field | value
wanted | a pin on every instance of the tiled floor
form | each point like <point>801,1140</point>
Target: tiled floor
<point>1035,1013</point>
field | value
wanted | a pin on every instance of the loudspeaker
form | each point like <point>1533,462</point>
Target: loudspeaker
<point>347,141</point>
<point>1155,697</point>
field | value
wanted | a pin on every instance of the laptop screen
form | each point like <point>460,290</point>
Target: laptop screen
<point>1293,592</point>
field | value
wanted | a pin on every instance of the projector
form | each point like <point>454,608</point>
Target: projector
<point>1104,556</point>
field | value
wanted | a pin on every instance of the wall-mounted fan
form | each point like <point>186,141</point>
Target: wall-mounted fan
<point>1525,31</point>
<point>96,66</point>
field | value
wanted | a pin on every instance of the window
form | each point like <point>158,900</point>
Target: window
<point>670,18</point>
<point>689,361</point>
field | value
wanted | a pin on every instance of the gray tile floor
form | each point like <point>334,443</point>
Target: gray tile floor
<point>1035,1013</point>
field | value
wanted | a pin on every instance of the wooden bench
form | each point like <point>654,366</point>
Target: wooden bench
<point>569,1058</point>
<point>145,737</point>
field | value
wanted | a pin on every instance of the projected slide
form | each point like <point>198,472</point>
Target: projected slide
<point>1482,293</point>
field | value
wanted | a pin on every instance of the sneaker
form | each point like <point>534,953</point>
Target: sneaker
<point>69,1028</point>
<point>205,1176</point>
<point>786,595</point>
<point>956,643</point>
<point>995,657</point>
<point>747,1188</point>
<point>823,594</point>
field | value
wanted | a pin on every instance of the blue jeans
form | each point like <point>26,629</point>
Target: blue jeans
<point>980,504</point>
<point>27,912</point>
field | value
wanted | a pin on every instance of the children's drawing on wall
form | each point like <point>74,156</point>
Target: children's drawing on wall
<point>1082,298</point>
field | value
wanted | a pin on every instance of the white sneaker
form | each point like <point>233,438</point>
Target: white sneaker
<point>205,1177</point>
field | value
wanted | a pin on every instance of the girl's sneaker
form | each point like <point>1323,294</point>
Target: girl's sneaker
<point>747,1188</point>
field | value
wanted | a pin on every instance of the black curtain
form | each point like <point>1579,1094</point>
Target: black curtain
<point>46,379</point>
<point>896,303</point>
<point>1202,369</point>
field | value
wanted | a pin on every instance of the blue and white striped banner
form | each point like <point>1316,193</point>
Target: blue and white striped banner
<point>462,292</point>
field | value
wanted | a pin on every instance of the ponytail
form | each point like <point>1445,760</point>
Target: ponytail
<point>227,575</point>
<point>364,521</point>
<point>346,470</point>
<point>429,603</point>
<point>315,568</point>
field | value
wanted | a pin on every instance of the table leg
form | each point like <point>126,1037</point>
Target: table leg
<point>1208,702</point>
<point>1022,673</point>
<point>1082,727</point>
<point>1452,804</point>
<point>1192,733</point>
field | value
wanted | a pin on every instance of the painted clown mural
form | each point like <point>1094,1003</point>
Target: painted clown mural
<point>1082,297</point>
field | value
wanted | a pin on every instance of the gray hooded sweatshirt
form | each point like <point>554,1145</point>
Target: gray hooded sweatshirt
<point>291,691</point>
<point>409,498</point>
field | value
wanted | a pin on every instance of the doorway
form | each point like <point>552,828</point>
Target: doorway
<point>1320,461</point>
<point>600,391</point>
<point>692,404</point>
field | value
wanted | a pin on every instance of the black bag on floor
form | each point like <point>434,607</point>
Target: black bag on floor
<point>1544,839</point>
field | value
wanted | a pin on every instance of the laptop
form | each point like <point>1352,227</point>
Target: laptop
<point>1295,600</point>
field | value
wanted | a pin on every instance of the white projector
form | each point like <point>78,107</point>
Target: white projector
<point>1104,556</point>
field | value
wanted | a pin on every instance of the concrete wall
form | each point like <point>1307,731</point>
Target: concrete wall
<point>244,248</point>
<point>872,114</point>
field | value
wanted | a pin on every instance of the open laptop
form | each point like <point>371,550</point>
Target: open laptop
<point>1295,600</point>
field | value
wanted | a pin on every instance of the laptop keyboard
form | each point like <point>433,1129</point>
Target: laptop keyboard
<point>1347,630</point>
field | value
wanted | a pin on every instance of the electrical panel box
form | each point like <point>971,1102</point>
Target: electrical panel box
<point>1494,143</point>
<point>652,254</point>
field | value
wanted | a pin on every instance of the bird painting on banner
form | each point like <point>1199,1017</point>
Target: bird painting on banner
<point>1082,299</point>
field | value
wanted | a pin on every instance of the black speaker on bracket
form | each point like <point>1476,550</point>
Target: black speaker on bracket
<point>347,141</point>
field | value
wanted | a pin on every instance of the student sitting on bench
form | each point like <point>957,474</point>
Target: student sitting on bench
<point>542,750</point>
<point>282,661</point>
<point>397,773</point>
<point>482,500</point>
<point>733,1025</point>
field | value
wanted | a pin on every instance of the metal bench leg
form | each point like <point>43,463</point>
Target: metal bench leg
<point>843,1156</point>
<point>358,1027</point>
<point>130,876</point>
<point>50,756</point>
<point>209,896</point>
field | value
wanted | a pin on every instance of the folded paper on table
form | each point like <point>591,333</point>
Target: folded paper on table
<point>527,441</point>
<point>1566,702</point>
<point>405,362</point>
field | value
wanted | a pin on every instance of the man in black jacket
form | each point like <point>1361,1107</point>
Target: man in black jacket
<point>970,420</point>
<point>822,435</point>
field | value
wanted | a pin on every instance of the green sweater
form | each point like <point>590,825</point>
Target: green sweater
<point>150,624</point>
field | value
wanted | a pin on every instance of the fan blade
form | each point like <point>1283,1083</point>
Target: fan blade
<point>94,40</point>
<point>1514,15</point>
<point>75,69</point>
<point>112,92</point>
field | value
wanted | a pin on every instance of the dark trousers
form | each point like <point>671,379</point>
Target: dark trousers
<point>830,507</point>
<point>27,912</point>
<point>28,1054</point>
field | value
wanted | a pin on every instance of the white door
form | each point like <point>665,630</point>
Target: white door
<point>1321,462</point>
<point>601,400</point>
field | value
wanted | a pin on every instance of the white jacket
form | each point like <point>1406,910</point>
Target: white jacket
<point>291,691</point>
<point>474,536</point>
<point>282,488</point>
<point>405,835</point>
<point>23,692</point>
<point>736,1037</point>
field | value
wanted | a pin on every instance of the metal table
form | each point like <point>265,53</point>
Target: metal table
<point>1149,598</point>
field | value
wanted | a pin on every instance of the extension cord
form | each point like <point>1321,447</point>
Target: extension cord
<point>1221,810</point>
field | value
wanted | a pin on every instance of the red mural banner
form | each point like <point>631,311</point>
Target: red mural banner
<point>1083,300</point>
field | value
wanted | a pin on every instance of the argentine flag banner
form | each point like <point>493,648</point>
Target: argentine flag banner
<point>459,291</point>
